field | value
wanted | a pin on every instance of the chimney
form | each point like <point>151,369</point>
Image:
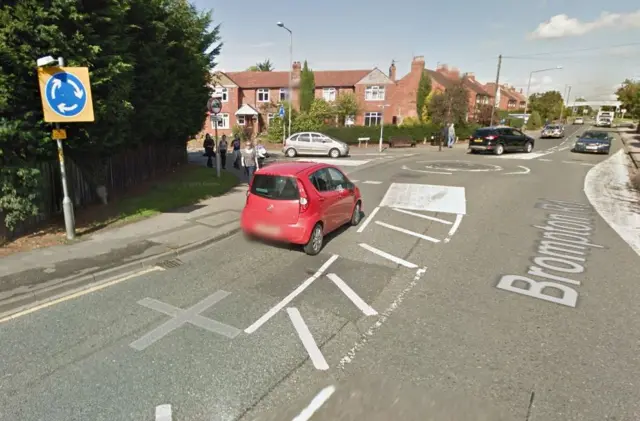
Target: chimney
<point>470,75</point>
<point>442,68</point>
<point>455,72</point>
<point>392,71</point>
<point>296,69</point>
<point>417,65</point>
<point>521,90</point>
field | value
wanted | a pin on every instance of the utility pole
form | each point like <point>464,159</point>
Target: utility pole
<point>495,93</point>
<point>568,95</point>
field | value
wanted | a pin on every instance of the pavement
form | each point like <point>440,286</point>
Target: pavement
<point>476,288</point>
<point>631,139</point>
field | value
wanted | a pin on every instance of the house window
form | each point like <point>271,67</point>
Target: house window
<point>240,119</point>
<point>222,93</point>
<point>263,95</point>
<point>374,93</point>
<point>223,121</point>
<point>284,94</point>
<point>270,118</point>
<point>329,94</point>
<point>372,119</point>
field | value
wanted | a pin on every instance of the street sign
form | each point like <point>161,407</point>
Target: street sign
<point>281,111</point>
<point>59,134</point>
<point>214,105</point>
<point>65,94</point>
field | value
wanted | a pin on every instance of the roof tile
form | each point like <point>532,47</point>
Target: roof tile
<point>280,79</point>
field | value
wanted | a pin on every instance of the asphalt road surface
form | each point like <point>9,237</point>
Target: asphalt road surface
<point>433,308</point>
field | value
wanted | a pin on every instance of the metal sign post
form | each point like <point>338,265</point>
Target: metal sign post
<point>66,98</point>
<point>215,106</point>
<point>284,131</point>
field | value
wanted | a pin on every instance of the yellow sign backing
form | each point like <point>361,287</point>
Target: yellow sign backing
<point>66,94</point>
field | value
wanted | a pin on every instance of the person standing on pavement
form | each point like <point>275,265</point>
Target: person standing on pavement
<point>222,150</point>
<point>444,134</point>
<point>236,151</point>
<point>208,149</point>
<point>452,136</point>
<point>249,159</point>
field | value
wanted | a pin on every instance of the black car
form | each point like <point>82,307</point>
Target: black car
<point>500,139</point>
<point>593,141</point>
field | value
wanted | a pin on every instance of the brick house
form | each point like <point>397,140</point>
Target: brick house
<point>510,98</point>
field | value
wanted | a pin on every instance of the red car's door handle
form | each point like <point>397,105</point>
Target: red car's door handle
<point>321,198</point>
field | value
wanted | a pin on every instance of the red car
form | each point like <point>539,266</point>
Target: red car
<point>300,203</point>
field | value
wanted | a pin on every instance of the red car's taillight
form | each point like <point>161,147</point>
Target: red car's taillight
<point>304,198</point>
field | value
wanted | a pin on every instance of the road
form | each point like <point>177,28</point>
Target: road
<point>420,311</point>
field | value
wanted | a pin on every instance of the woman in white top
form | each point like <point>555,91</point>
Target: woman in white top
<point>249,159</point>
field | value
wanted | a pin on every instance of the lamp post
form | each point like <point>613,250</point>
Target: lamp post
<point>382,107</point>
<point>290,92</point>
<point>526,100</point>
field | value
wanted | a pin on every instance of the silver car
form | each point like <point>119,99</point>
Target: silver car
<point>553,130</point>
<point>312,143</point>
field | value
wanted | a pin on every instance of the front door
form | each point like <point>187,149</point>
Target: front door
<point>328,198</point>
<point>303,144</point>
<point>318,144</point>
<point>345,195</point>
<point>510,139</point>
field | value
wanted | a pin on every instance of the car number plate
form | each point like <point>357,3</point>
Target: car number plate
<point>477,140</point>
<point>592,148</point>
<point>267,229</point>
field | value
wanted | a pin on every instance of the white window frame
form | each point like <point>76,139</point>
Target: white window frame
<point>284,94</point>
<point>329,94</point>
<point>374,93</point>
<point>222,93</point>
<point>264,92</point>
<point>221,125</point>
<point>270,117</point>
<point>374,114</point>
<point>241,120</point>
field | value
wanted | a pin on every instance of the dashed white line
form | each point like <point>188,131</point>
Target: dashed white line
<point>351,294</point>
<point>272,312</point>
<point>368,220</point>
<point>307,339</point>
<point>388,256</point>
<point>316,403</point>
<point>454,228</point>
<point>419,215</point>
<point>408,232</point>
<point>371,182</point>
<point>164,413</point>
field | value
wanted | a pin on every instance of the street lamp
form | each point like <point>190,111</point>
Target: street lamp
<point>381,126</point>
<point>67,205</point>
<point>290,94</point>
<point>526,101</point>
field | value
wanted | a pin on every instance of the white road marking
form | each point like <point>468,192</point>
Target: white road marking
<point>79,293</point>
<point>340,162</point>
<point>355,181</point>
<point>432,163</point>
<point>163,413</point>
<point>606,187</point>
<point>454,228</point>
<point>371,182</point>
<point>426,197</point>
<point>404,167</point>
<point>419,215</point>
<point>408,232</point>
<point>352,295</point>
<point>316,403</point>
<point>368,220</point>
<point>527,156</point>
<point>388,256</point>
<point>365,337</point>
<point>545,160</point>
<point>564,149</point>
<point>526,171</point>
<point>275,309</point>
<point>586,164</point>
<point>307,339</point>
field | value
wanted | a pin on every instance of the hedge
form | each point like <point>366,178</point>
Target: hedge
<point>418,133</point>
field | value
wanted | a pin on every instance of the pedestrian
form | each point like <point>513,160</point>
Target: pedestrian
<point>208,149</point>
<point>249,159</point>
<point>452,136</point>
<point>444,135</point>
<point>222,150</point>
<point>236,151</point>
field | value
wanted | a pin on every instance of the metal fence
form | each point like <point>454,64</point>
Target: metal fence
<point>120,173</point>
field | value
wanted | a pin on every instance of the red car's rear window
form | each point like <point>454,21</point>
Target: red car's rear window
<point>275,187</point>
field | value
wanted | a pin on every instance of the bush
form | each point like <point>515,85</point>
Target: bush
<point>516,123</point>
<point>535,121</point>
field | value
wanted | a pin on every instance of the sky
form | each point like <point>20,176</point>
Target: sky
<point>597,43</point>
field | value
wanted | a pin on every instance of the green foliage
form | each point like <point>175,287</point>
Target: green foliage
<point>629,95</point>
<point>419,132</point>
<point>410,121</point>
<point>517,123</point>
<point>149,62</point>
<point>547,104</point>
<point>307,88</point>
<point>19,194</point>
<point>450,106</point>
<point>422,95</point>
<point>346,104</point>
<point>424,115</point>
<point>534,122</point>
<point>242,132</point>
<point>265,66</point>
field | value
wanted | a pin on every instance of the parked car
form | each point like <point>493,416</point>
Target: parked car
<point>500,139</point>
<point>300,203</point>
<point>579,121</point>
<point>593,141</point>
<point>312,143</point>
<point>553,131</point>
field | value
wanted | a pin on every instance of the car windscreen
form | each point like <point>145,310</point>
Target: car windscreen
<point>553,127</point>
<point>595,135</point>
<point>275,187</point>
<point>484,132</point>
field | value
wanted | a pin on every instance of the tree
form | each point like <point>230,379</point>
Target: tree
<point>265,66</point>
<point>144,58</point>
<point>535,121</point>
<point>484,113</point>
<point>307,88</point>
<point>629,95</point>
<point>410,121</point>
<point>581,109</point>
<point>547,104</point>
<point>345,105</point>
<point>425,116</point>
<point>422,95</point>
<point>450,106</point>
<point>323,111</point>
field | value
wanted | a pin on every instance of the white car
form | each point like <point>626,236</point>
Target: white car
<point>553,130</point>
<point>312,143</point>
<point>578,120</point>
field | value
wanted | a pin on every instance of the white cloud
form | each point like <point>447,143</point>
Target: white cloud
<point>561,26</point>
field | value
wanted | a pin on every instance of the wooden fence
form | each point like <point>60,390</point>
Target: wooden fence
<point>119,173</point>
